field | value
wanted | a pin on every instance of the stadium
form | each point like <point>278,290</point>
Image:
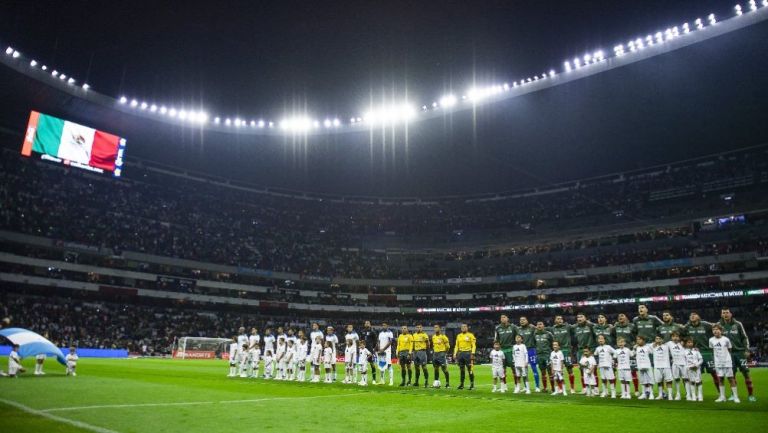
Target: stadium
<point>294,216</point>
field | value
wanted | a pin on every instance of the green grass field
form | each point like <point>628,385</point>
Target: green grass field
<point>153,395</point>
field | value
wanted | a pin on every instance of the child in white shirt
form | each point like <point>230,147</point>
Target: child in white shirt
<point>693,360</point>
<point>643,353</point>
<point>328,361</point>
<point>557,362</point>
<point>269,364</point>
<point>71,360</point>
<point>588,366</point>
<point>604,355</point>
<point>520,357</point>
<point>623,358</point>
<point>362,363</point>
<point>497,365</point>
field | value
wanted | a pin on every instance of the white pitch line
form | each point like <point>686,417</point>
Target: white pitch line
<point>56,418</point>
<point>194,403</point>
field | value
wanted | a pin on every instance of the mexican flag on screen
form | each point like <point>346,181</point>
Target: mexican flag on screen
<point>70,141</point>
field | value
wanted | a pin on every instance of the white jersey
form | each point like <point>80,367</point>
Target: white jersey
<point>520,355</point>
<point>497,358</point>
<point>269,343</point>
<point>281,350</point>
<point>623,358</point>
<point>643,356</point>
<point>253,342</point>
<point>353,337</point>
<point>242,339</point>
<point>234,350</point>
<point>661,356</point>
<point>385,339</point>
<point>722,350</point>
<point>362,358</point>
<point>604,355</point>
<point>71,359</point>
<point>334,339</point>
<point>313,337</point>
<point>290,354</point>
<point>557,360</point>
<point>328,356</point>
<point>242,356</point>
<point>301,351</point>
<point>316,356</point>
<point>350,354</point>
<point>678,353</point>
<point>693,358</point>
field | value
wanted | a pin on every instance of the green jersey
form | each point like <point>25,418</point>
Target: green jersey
<point>606,331</point>
<point>626,331</point>
<point>544,341</point>
<point>646,326</point>
<point>585,336</point>
<point>562,334</point>
<point>527,332</point>
<point>735,332</point>
<point>666,330</point>
<point>505,335</point>
<point>700,334</point>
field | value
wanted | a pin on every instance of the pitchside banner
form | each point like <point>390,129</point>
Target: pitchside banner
<point>73,144</point>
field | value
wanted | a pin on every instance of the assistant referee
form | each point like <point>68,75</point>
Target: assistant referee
<point>464,353</point>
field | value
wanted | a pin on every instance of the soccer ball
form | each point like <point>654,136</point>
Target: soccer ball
<point>436,384</point>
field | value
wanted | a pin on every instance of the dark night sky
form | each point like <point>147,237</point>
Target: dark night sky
<point>268,58</point>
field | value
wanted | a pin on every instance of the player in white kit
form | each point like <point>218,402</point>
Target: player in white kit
<point>350,360</point>
<point>243,359</point>
<point>269,345</point>
<point>693,362</point>
<point>721,346</point>
<point>604,354</point>
<point>662,367</point>
<point>384,354</point>
<point>643,354</point>
<point>313,341</point>
<point>497,366</point>
<point>302,347</point>
<point>14,362</point>
<point>316,358</point>
<point>254,348</point>
<point>290,360</point>
<point>362,363</point>
<point>679,364</point>
<point>71,360</point>
<point>520,358</point>
<point>556,363</point>
<point>234,357</point>
<point>623,358</point>
<point>280,359</point>
<point>330,336</point>
<point>588,367</point>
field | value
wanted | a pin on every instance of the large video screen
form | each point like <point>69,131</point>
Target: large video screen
<point>73,144</point>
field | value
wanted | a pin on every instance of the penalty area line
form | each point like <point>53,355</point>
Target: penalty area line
<point>56,418</point>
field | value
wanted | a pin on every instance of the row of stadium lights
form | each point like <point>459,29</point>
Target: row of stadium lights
<point>406,112</point>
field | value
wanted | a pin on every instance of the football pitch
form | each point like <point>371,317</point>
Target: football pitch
<point>158,395</point>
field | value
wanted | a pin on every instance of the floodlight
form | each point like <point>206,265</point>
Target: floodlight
<point>9,51</point>
<point>86,86</point>
<point>123,100</point>
<point>16,54</point>
<point>33,63</point>
<point>449,100</point>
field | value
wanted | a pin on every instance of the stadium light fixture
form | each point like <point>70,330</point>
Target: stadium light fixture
<point>172,112</point>
<point>71,81</point>
<point>54,73</point>
<point>163,110</point>
<point>62,77</point>
<point>123,100</point>
<point>699,24</point>
<point>144,105</point>
<point>327,123</point>
<point>449,101</point>
<point>16,54</point>
<point>182,114</point>
<point>45,68</point>
<point>712,19</point>
<point>134,103</point>
<point>336,123</point>
<point>153,108</point>
<point>271,124</point>
<point>686,28</point>
<point>260,124</point>
<point>567,65</point>
<point>33,63</point>
<point>86,86</point>
<point>9,51</point>
<point>228,122</point>
<point>752,5</point>
<point>217,120</point>
<point>738,10</point>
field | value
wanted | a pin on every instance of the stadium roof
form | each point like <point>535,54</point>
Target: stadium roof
<point>699,99</point>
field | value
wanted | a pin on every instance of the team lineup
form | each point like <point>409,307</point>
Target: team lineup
<point>643,353</point>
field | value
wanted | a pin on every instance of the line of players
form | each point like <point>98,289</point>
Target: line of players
<point>288,356</point>
<point>646,351</point>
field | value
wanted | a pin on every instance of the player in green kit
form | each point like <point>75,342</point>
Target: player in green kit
<point>700,332</point>
<point>605,329</point>
<point>668,326</point>
<point>544,341</point>
<point>505,336</point>
<point>563,334</point>
<point>646,324</point>
<point>734,330</point>
<point>584,334</point>
<point>527,331</point>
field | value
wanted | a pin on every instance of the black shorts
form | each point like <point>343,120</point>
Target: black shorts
<point>464,359</point>
<point>439,358</point>
<point>404,358</point>
<point>420,357</point>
